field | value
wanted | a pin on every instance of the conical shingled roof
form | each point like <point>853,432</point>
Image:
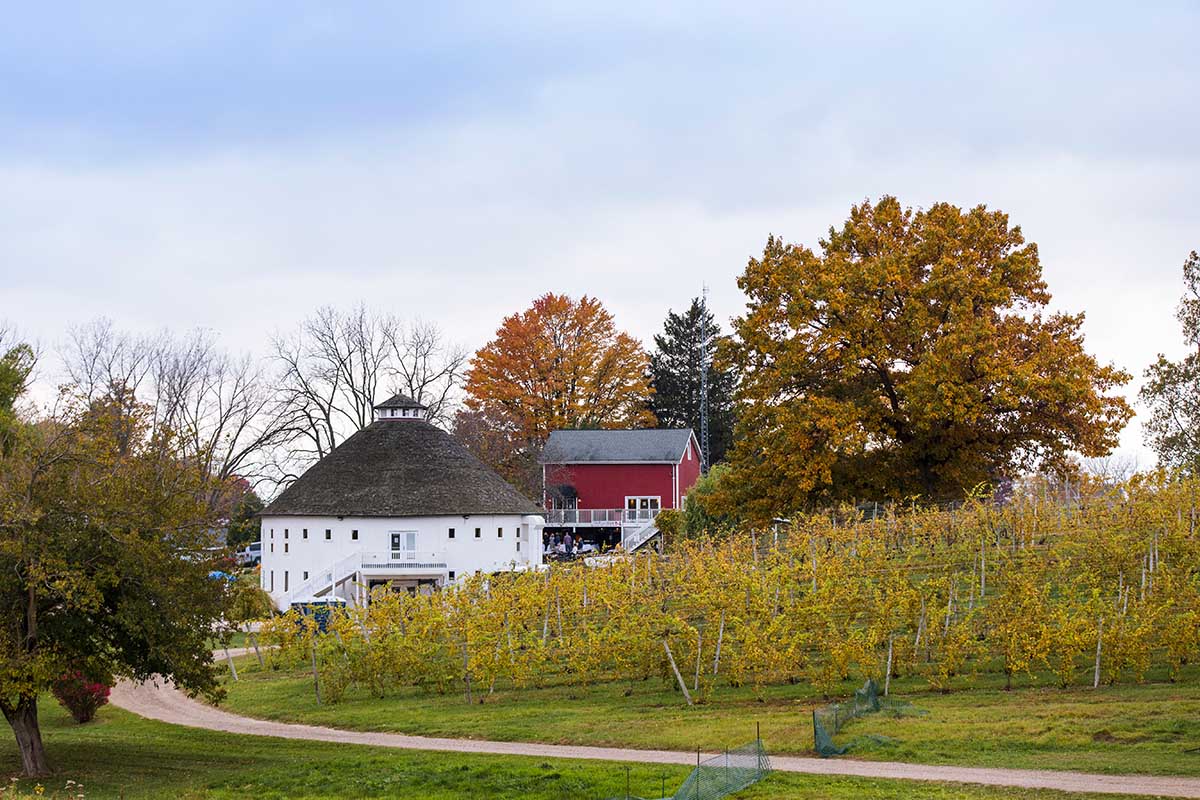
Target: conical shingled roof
<point>400,401</point>
<point>399,469</point>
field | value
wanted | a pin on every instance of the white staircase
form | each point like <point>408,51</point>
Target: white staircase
<point>633,538</point>
<point>358,566</point>
<point>324,582</point>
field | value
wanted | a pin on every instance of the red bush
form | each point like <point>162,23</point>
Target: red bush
<point>81,694</point>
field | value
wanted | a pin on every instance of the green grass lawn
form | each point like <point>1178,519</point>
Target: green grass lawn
<point>1128,728</point>
<point>120,755</point>
<point>236,639</point>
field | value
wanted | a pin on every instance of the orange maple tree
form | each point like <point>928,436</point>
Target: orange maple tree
<point>561,363</point>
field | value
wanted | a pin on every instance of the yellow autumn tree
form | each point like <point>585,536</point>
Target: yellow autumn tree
<point>912,355</point>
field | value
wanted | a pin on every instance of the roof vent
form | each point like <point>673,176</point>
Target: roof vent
<point>400,407</point>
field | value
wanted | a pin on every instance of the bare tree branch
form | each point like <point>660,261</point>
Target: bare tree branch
<point>426,368</point>
<point>220,408</point>
<point>338,365</point>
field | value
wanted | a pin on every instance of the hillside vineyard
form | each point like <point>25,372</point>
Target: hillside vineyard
<point>1095,590</point>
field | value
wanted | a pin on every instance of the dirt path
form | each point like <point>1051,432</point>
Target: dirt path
<point>165,703</point>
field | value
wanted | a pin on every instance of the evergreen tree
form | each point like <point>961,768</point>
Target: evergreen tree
<point>244,526</point>
<point>675,376</point>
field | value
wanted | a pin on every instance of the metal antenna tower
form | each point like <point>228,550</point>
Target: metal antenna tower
<point>704,355</point>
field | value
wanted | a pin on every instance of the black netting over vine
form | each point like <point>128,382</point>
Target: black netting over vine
<point>828,720</point>
<point>725,774</point>
<point>722,775</point>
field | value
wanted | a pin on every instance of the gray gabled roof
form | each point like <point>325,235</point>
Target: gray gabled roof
<point>659,445</point>
<point>399,468</point>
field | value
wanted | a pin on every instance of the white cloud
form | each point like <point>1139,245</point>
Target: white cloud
<point>656,161</point>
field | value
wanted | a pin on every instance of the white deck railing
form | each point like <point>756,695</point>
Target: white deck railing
<point>402,560</point>
<point>600,516</point>
<point>349,566</point>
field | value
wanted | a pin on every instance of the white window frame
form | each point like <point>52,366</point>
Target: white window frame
<point>409,541</point>
<point>637,510</point>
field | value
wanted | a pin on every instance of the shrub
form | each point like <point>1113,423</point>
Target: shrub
<point>81,694</point>
<point>670,522</point>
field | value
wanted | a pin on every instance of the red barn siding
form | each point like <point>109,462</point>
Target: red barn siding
<point>689,470</point>
<point>607,485</point>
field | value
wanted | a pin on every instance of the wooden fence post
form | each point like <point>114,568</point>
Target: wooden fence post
<point>720,636</point>
<point>675,669</point>
<point>229,658</point>
<point>316,676</point>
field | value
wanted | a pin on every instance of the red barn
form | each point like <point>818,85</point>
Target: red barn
<point>606,487</point>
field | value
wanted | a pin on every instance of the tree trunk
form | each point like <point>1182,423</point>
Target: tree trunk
<point>24,721</point>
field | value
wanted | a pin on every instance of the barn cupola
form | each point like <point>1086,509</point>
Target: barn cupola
<point>400,407</point>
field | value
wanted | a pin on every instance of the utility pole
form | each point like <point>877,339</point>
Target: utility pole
<point>704,357</point>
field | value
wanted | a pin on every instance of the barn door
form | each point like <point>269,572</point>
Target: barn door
<point>640,509</point>
<point>404,545</point>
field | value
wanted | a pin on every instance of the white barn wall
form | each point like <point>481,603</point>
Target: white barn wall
<point>462,555</point>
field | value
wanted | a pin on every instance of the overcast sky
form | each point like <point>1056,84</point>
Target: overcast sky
<point>235,165</point>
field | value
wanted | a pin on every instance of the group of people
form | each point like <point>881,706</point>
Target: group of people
<point>565,545</point>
